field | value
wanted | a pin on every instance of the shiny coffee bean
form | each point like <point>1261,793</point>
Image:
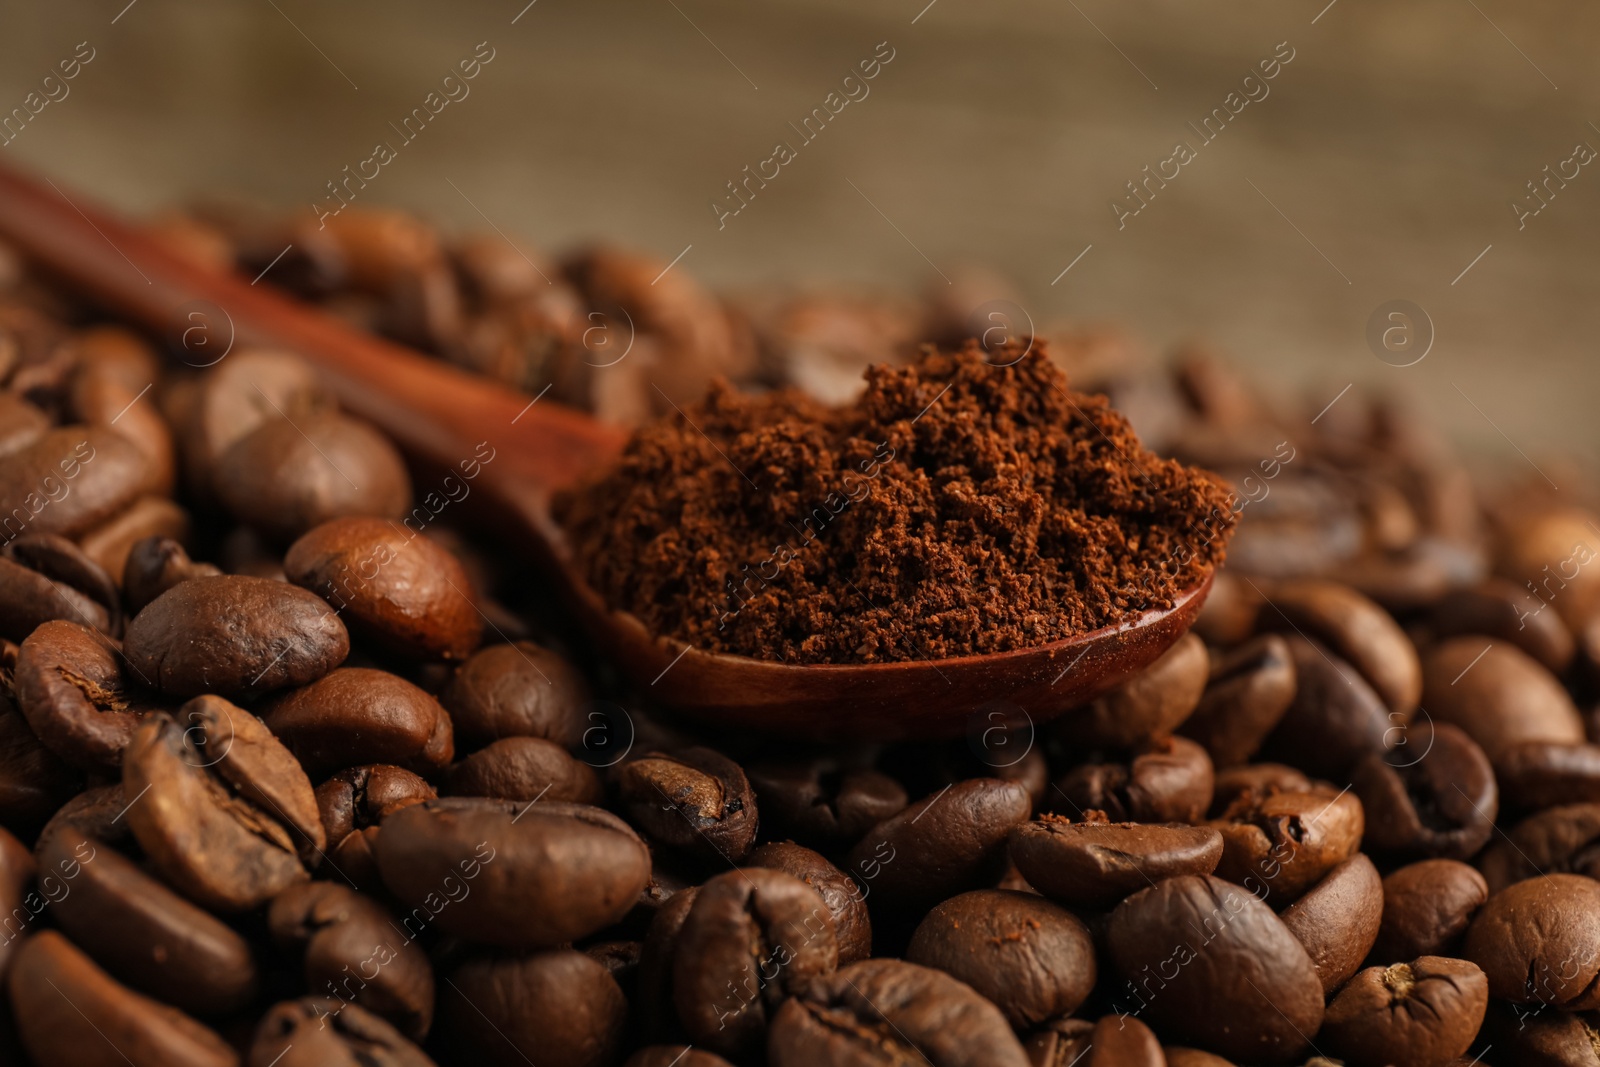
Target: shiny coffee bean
<point>1279,845</point>
<point>148,937</point>
<point>1336,717</point>
<point>34,781</point>
<point>524,768</point>
<point>21,423</point>
<point>882,1013</point>
<point>1033,959</point>
<point>327,1032</point>
<point>45,577</point>
<point>847,906</point>
<point>940,846</point>
<point>285,478</point>
<point>17,873</point>
<point>1539,940</point>
<point>518,690</point>
<point>233,636</point>
<point>55,988</point>
<point>1165,779</point>
<point>236,397</point>
<point>1539,774</point>
<point>1152,703</point>
<point>675,1056</point>
<point>1240,983</point>
<point>695,801</point>
<point>356,715</point>
<point>1558,840</point>
<point>1423,1013</point>
<point>556,1008</point>
<point>1337,920</point>
<point>354,951</point>
<point>70,480</point>
<point>72,691</point>
<point>110,543</point>
<point>1501,609</point>
<point>1114,1041</point>
<point>752,938</point>
<point>399,590</point>
<point>1433,797</point>
<point>221,809</point>
<point>1356,630</point>
<point>658,960</point>
<point>1502,699</point>
<point>1427,906</point>
<point>508,873</point>
<point>154,565</point>
<point>1249,689</point>
<point>821,803</point>
<point>1094,864</point>
<point>360,797</point>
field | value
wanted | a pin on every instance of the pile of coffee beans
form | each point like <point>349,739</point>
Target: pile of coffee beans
<point>294,773</point>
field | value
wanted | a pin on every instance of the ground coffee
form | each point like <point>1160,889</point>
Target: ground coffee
<point>968,503</point>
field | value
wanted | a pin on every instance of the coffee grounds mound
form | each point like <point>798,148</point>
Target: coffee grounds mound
<point>960,506</point>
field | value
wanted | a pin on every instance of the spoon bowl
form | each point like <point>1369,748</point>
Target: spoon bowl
<point>440,414</point>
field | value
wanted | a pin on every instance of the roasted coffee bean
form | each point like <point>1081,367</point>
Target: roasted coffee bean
<point>102,395</point>
<point>1539,1036</point>
<point>695,801</point>
<point>1539,940</point>
<point>1427,906</point>
<point>285,477</point>
<point>1539,774</point>
<point>620,958</point>
<point>1424,1013</point>
<point>657,961</point>
<point>1502,699</point>
<point>1279,845</point>
<point>1094,864</point>
<point>752,938</point>
<point>1193,1057</point>
<point>511,874</point>
<point>34,781</point>
<point>1261,778</point>
<point>524,768</point>
<point>71,689</point>
<point>1336,717</point>
<point>17,873</point>
<point>847,905</point>
<point>21,423</point>
<point>359,797</point>
<point>357,715</point>
<point>236,397</point>
<point>1563,840</point>
<point>328,1032</point>
<point>1166,779</point>
<point>221,809</point>
<point>155,565</point>
<point>45,577</point>
<point>1240,983</point>
<point>821,803</point>
<point>1114,1041</point>
<point>1150,704</point>
<point>55,988</point>
<point>144,934</point>
<point>675,1056</point>
<point>1355,629</point>
<point>69,480</point>
<point>1433,797</point>
<point>343,935</point>
<point>1249,689</point>
<point>1505,611</point>
<point>110,543</point>
<point>518,690</point>
<point>1539,544</point>
<point>1032,958</point>
<point>399,590</point>
<point>1062,1042</point>
<point>233,636</point>
<point>941,845</point>
<point>881,1013</point>
<point>1337,920</point>
<point>557,1008</point>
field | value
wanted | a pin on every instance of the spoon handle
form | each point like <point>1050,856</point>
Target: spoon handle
<point>436,412</point>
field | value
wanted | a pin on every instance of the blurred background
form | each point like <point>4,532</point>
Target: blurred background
<point>1382,164</point>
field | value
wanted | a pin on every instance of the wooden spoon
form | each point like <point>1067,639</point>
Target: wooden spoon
<point>439,414</point>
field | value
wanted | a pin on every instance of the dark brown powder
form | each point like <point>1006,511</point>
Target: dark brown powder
<point>960,506</point>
